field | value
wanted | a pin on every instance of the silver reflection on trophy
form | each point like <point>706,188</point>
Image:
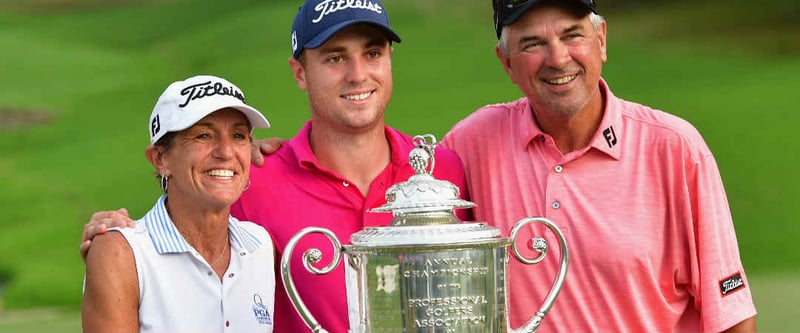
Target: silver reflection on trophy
<point>428,271</point>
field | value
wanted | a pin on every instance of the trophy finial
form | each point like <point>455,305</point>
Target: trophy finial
<point>422,195</point>
<point>421,157</point>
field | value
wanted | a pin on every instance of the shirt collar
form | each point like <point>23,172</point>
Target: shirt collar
<point>301,147</point>
<point>608,135</point>
<point>167,239</point>
<point>400,144</point>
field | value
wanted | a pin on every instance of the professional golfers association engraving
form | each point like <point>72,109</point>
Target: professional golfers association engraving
<point>428,271</point>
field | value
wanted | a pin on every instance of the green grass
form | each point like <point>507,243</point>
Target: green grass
<point>98,70</point>
<point>41,320</point>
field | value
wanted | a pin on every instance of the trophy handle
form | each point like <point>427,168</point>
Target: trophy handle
<point>311,256</point>
<point>540,245</point>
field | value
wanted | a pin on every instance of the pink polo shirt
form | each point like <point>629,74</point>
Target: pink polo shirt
<point>643,209</point>
<point>292,191</point>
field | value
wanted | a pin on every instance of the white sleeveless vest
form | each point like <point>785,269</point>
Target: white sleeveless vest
<point>179,291</point>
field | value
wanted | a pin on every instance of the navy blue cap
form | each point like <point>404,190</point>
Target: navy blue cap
<point>506,12</point>
<point>318,20</point>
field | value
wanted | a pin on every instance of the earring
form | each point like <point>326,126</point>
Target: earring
<point>164,183</point>
<point>247,186</point>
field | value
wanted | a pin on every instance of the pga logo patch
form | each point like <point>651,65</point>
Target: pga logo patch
<point>260,311</point>
<point>731,284</point>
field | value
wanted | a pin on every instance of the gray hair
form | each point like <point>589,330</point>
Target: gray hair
<point>596,20</point>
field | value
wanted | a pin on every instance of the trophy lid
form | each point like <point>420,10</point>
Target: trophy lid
<point>423,209</point>
<point>422,192</point>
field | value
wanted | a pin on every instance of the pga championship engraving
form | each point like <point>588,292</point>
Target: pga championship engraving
<point>428,271</point>
<point>454,305</point>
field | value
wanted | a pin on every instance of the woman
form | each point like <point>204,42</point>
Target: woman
<point>188,266</point>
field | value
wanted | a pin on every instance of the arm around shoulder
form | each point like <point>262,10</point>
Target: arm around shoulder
<point>111,292</point>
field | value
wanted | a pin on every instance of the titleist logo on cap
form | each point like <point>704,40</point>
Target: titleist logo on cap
<point>205,89</point>
<point>331,6</point>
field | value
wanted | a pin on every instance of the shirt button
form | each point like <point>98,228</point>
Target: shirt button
<point>209,273</point>
<point>345,184</point>
<point>559,169</point>
<point>230,275</point>
<point>227,323</point>
<point>556,205</point>
<point>243,253</point>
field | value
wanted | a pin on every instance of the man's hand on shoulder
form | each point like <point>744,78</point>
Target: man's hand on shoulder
<point>262,147</point>
<point>99,223</point>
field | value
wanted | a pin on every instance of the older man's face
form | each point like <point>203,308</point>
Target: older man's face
<point>555,58</point>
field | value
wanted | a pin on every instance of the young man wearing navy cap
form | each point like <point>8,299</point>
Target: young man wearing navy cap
<point>342,161</point>
<point>636,191</point>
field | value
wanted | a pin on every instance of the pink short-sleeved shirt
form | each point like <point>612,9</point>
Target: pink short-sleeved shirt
<point>292,191</point>
<point>643,210</point>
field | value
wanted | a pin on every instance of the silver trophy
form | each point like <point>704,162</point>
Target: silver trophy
<point>427,271</point>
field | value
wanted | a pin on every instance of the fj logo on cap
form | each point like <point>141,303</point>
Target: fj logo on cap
<point>331,6</point>
<point>205,89</point>
<point>155,126</point>
<point>731,284</point>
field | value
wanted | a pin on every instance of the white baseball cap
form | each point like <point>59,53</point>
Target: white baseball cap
<point>185,102</point>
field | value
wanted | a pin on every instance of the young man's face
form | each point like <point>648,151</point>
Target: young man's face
<point>348,78</point>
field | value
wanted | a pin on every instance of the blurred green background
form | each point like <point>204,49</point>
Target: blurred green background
<point>78,79</point>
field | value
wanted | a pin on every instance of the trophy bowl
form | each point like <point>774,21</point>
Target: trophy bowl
<point>427,271</point>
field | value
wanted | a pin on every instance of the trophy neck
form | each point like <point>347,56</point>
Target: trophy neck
<point>417,218</point>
